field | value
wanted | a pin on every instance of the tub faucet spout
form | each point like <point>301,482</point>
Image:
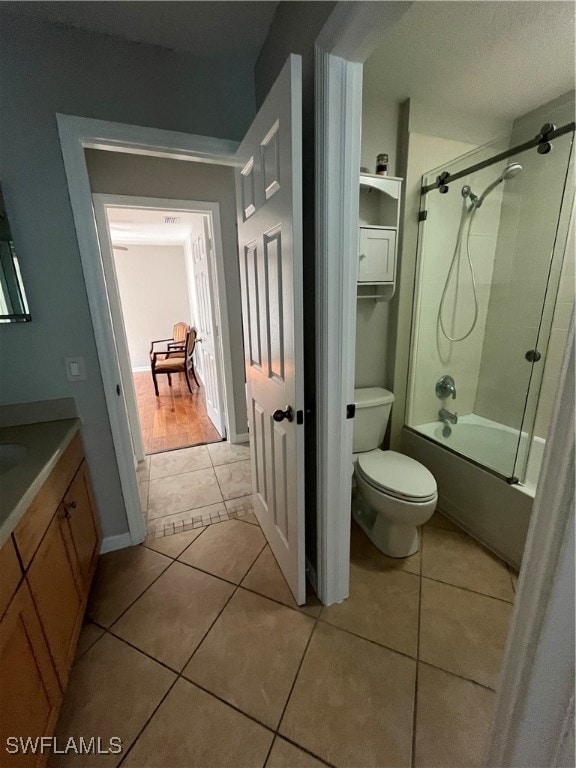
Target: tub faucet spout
<point>446,416</point>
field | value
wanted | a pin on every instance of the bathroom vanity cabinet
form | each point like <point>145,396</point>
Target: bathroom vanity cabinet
<point>379,218</point>
<point>46,568</point>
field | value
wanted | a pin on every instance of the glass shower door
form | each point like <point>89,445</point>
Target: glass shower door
<point>490,254</point>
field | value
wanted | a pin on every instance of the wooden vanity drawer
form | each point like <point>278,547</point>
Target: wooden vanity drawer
<point>10,574</point>
<point>33,525</point>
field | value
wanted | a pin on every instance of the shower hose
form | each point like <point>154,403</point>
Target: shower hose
<point>467,216</point>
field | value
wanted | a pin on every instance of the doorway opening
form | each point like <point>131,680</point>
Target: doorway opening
<point>160,262</point>
<point>159,258</point>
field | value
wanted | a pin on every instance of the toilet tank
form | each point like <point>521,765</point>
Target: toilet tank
<point>373,406</point>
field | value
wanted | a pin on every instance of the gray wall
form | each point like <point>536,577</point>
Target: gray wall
<point>44,70</point>
<point>153,288</point>
<point>294,29</point>
<point>115,173</point>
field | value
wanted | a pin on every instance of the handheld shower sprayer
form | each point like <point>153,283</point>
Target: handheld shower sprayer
<point>511,170</point>
<point>468,213</point>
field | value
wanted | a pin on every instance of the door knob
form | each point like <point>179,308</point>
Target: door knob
<point>532,355</point>
<point>280,415</point>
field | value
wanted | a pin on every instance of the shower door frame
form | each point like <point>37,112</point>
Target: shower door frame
<point>566,208</point>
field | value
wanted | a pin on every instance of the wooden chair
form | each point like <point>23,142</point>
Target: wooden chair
<point>169,361</point>
<point>176,344</point>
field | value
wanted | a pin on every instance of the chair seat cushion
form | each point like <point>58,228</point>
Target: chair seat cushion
<point>171,364</point>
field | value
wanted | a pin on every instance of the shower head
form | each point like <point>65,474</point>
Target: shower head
<point>511,170</point>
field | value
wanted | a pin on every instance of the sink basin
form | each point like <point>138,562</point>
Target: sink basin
<point>11,454</point>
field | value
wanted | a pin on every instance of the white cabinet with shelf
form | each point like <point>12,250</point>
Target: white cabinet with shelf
<point>379,216</point>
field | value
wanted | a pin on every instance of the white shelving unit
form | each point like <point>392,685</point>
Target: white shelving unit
<point>378,236</point>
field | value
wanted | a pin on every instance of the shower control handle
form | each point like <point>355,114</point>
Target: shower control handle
<point>445,387</point>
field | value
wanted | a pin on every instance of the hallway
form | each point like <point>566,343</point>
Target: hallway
<point>175,419</point>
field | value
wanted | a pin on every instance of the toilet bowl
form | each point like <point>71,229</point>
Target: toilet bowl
<point>395,494</point>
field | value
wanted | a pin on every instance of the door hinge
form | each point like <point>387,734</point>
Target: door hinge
<point>350,410</point>
<point>423,215</point>
<point>118,390</point>
<point>299,417</point>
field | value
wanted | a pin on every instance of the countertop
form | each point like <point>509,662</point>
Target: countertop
<point>45,443</point>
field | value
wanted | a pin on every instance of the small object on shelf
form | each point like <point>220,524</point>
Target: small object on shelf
<point>382,165</point>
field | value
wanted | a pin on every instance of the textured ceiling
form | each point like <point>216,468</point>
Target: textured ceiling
<point>497,58</point>
<point>146,226</point>
<point>204,29</point>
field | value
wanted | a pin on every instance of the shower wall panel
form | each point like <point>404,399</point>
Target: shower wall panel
<point>528,234</point>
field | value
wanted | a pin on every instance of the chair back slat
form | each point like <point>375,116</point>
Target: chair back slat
<point>179,332</point>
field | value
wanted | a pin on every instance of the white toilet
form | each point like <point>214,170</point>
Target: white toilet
<point>396,493</point>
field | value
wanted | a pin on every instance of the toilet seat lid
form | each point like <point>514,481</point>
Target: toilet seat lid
<point>397,474</point>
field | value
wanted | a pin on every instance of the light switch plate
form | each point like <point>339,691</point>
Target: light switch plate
<point>75,368</point>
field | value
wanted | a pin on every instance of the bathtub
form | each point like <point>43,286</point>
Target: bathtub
<point>491,509</point>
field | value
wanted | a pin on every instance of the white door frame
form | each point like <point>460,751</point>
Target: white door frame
<point>535,705</point>
<point>216,258</point>
<point>76,135</point>
<point>343,45</point>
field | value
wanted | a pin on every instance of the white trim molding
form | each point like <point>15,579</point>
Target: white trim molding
<point>112,543</point>
<point>534,715</point>
<point>338,124</point>
<point>345,42</point>
<point>76,135</point>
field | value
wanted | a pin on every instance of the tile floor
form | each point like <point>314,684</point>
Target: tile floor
<point>195,654</point>
<point>192,487</point>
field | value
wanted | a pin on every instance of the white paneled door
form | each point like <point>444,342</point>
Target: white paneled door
<point>269,200</point>
<point>207,359</point>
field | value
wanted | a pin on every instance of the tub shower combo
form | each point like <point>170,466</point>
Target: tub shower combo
<point>493,297</point>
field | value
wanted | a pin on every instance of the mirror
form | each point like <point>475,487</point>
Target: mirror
<point>13,303</point>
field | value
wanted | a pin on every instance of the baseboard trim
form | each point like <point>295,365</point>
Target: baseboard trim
<point>141,369</point>
<point>111,543</point>
<point>236,439</point>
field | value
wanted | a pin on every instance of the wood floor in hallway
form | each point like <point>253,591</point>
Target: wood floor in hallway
<point>175,419</point>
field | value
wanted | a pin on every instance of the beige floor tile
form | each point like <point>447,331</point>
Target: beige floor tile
<point>250,518</point>
<point>89,634</point>
<point>438,520</point>
<point>242,505</point>
<point>286,755</point>
<point>384,598</point>
<point>170,619</point>
<point>352,704</point>
<point>513,578</point>
<point>251,655</point>
<point>265,577</point>
<point>463,632</point>
<point>453,720</point>
<point>226,550</point>
<point>234,479</point>
<point>178,493</point>
<point>143,469</point>
<point>113,690</point>
<point>143,487</point>
<point>207,513</point>
<point>192,729</point>
<point>121,577</point>
<point>174,545</point>
<point>458,559</point>
<point>225,453</point>
<point>179,461</point>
